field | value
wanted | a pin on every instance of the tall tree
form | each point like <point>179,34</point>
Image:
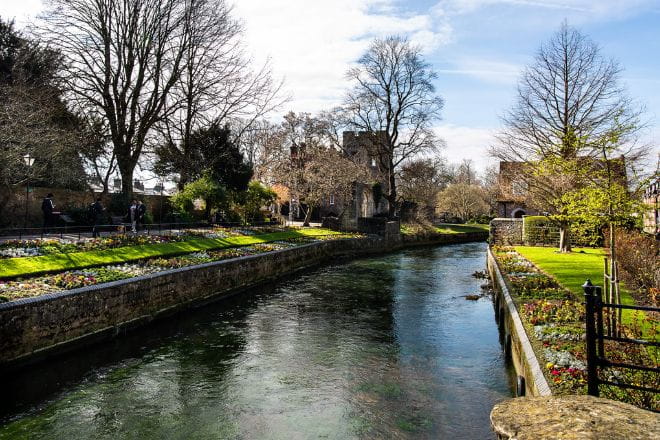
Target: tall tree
<point>463,200</point>
<point>123,59</point>
<point>393,94</point>
<point>216,85</point>
<point>33,118</point>
<point>420,181</point>
<point>213,153</point>
<point>569,101</point>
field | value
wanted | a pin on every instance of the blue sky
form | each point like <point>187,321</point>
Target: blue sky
<point>478,48</point>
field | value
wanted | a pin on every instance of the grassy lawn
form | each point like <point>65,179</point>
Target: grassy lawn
<point>449,228</point>
<point>572,269</point>
<point>16,267</point>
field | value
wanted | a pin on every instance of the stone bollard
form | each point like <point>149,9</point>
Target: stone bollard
<point>572,418</point>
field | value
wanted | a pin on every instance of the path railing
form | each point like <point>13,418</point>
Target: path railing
<point>596,335</point>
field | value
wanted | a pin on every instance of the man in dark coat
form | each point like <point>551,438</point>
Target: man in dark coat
<point>141,211</point>
<point>96,211</point>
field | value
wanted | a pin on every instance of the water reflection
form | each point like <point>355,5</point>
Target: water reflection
<point>375,348</point>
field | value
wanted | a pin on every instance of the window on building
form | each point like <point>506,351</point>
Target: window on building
<point>332,199</point>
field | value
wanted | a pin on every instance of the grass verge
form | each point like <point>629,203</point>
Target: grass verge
<point>449,228</point>
<point>572,269</point>
<point>19,267</point>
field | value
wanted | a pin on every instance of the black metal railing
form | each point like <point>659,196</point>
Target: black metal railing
<point>596,335</point>
<point>112,229</point>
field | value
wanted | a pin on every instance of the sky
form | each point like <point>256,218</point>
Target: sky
<point>477,47</point>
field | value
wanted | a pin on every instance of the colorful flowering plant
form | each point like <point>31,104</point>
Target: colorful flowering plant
<point>553,311</point>
<point>567,380</point>
<point>512,262</point>
<point>538,286</point>
<point>71,280</point>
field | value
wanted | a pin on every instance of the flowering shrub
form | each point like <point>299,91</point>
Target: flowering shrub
<point>20,252</point>
<point>71,280</point>
<point>567,380</point>
<point>638,256</point>
<point>553,311</point>
<point>538,286</point>
<point>512,262</point>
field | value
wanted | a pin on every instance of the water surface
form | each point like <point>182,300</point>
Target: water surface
<point>382,347</point>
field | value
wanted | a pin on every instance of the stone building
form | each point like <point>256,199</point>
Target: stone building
<point>652,214</point>
<point>512,191</point>
<point>367,200</point>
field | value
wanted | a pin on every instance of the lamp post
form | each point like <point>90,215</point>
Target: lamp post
<point>29,161</point>
<point>162,187</point>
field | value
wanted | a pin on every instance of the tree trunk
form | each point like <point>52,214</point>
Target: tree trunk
<point>391,197</point>
<point>564,238</point>
<point>308,215</point>
<point>126,168</point>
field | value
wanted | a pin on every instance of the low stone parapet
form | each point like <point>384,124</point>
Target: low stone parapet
<point>572,418</point>
<point>506,231</point>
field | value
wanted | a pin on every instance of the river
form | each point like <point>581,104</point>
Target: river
<point>381,347</point>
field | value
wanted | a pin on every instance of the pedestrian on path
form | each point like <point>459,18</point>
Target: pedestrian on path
<point>133,216</point>
<point>141,211</point>
<point>97,215</point>
<point>48,207</point>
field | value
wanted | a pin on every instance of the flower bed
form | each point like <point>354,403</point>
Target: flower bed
<point>554,320</point>
<point>49,246</point>
<point>35,286</point>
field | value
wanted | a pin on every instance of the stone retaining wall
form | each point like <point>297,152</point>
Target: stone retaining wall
<point>506,231</point>
<point>35,328</point>
<point>516,342</point>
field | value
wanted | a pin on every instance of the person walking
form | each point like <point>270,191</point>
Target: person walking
<point>133,216</point>
<point>48,207</point>
<point>97,215</point>
<point>141,211</point>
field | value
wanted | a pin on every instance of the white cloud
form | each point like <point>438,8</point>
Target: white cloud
<point>467,143</point>
<point>312,43</point>
<point>22,11</point>
<point>492,71</point>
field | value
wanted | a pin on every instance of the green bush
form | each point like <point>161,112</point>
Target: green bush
<point>539,230</point>
<point>638,256</point>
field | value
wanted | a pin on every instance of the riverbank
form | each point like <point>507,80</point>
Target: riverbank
<point>34,329</point>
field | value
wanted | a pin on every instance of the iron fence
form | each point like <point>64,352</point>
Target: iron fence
<point>596,335</point>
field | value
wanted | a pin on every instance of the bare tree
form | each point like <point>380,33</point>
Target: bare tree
<point>420,180</point>
<point>569,101</point>
<point>216,86</point>
<point>393,94</point>
<point>123,58</point>
<point>463,200</point>
<point>261,144</point>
